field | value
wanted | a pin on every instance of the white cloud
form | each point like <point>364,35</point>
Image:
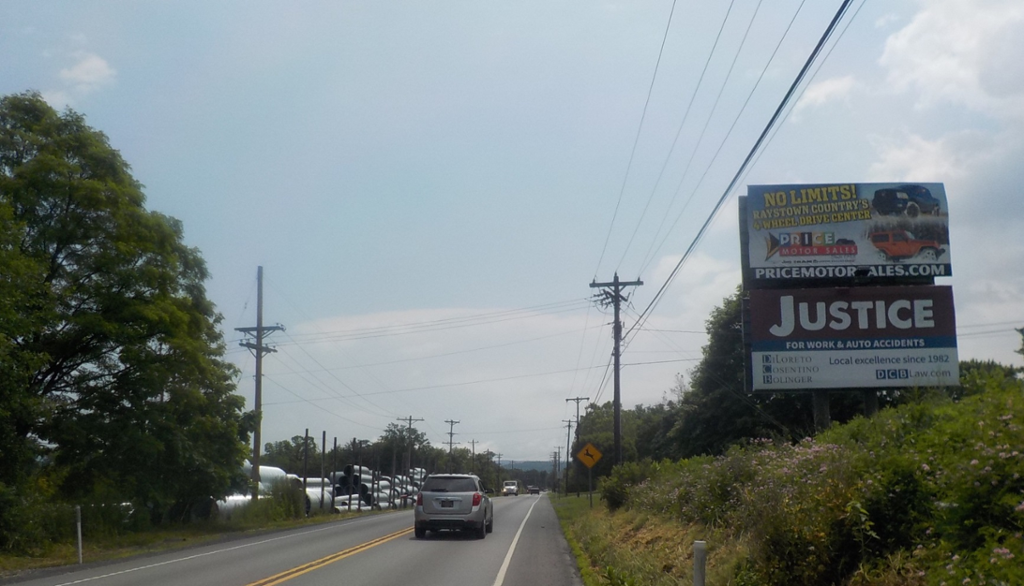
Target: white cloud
<point>826,91</point>
<point>910,157</point>
<point>57,99</point>
<point>965,52</point>
<point>886,20</point>
<point>89,74</point>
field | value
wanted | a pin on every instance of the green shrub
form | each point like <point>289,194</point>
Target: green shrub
<point>286,501</point>
<point>930,492</point>
<point>615,487</point>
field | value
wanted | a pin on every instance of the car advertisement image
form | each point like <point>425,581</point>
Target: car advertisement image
<point>882,337</point>
<point>829,231</point>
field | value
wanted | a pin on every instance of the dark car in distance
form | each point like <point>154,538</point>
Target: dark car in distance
<point>533,489</point>
<point>911,200</point>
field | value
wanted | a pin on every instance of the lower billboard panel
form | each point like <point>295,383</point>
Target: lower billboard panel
<point>869,337</point>
<point>842,369</point>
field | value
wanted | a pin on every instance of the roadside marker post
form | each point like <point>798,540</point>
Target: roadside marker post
<point>78,525</point>
<point>700,559</point>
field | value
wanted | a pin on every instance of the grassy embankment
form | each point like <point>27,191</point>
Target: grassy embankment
<point>104,539</point>
<point>926,494</point>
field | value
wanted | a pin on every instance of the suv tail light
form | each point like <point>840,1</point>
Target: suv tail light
<point>419,499</point>
<point>477,497</point>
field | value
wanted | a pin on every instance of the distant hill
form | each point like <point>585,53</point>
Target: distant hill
<point>541,465</point>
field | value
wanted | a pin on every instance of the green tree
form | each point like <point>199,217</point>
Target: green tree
<point>19,278</point>
<point>718,412</point>
<point>289,455</point>
<point>597,428</point>
<point>1021,350</point>
<point>117,361</point>
<point>394,445</point>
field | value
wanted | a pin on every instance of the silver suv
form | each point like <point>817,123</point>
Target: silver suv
<point>453,501</point>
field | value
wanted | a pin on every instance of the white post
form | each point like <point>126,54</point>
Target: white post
<point>700,559</point>
<point>78,522</point>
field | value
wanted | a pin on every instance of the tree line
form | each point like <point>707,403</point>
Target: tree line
<point>397,450</point>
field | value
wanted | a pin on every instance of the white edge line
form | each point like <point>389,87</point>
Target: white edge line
<point>500,579</point>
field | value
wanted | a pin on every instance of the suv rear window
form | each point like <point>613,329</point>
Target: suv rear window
<point>449,484</point>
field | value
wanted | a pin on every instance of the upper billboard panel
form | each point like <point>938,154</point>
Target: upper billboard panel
<point>882,231</point>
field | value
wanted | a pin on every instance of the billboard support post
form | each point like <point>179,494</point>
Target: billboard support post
<point>870,402</point>
<point>822,415</point>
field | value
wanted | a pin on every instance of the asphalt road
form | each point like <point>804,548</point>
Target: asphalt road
<point>526,548</point>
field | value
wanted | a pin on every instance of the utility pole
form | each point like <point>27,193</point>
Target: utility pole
<point>554,472</point>
<point>451,432</point>
<point>305,460</point>
<point>611,294</point>
<point>497,484</point>
<point>408,463</point>
<point>258,350</point>
<point>558,466</point>
<point>323,466</point>
<point>568,456</point>
<point>472,461</point>
<point>568,430</point>
<point>578,399</point>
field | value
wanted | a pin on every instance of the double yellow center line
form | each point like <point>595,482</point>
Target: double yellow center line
<point>317,564</point>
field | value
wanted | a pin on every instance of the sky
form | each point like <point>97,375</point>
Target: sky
<point>431,187</point>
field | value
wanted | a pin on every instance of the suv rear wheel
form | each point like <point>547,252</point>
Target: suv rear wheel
<point>420,533</point>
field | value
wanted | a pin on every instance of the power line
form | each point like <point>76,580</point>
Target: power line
<point>636,140</point>
<point>324,387</point>
<point>480,381</point>
<point>438,325</point>
<point>604,381</point>
<point>652,251</point>
<point>679,130</point>
<point>1011,322</point>
<point>725,194</point>
<point>449,323</point>
<point>343,383</point>
<point>707,123</point>
<point>775,131</point>
<point>458,352</point>
<point>314,403</point>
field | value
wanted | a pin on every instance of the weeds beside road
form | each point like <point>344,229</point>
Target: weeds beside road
<point>930,493</point>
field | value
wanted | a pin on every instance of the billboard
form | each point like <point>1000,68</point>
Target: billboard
<point>837,231</point>
<point>860,337</point>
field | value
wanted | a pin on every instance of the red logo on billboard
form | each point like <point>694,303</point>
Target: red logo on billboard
<point>794,244</point>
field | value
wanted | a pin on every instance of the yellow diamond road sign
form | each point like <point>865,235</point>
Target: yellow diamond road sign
<point>589,455</point>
